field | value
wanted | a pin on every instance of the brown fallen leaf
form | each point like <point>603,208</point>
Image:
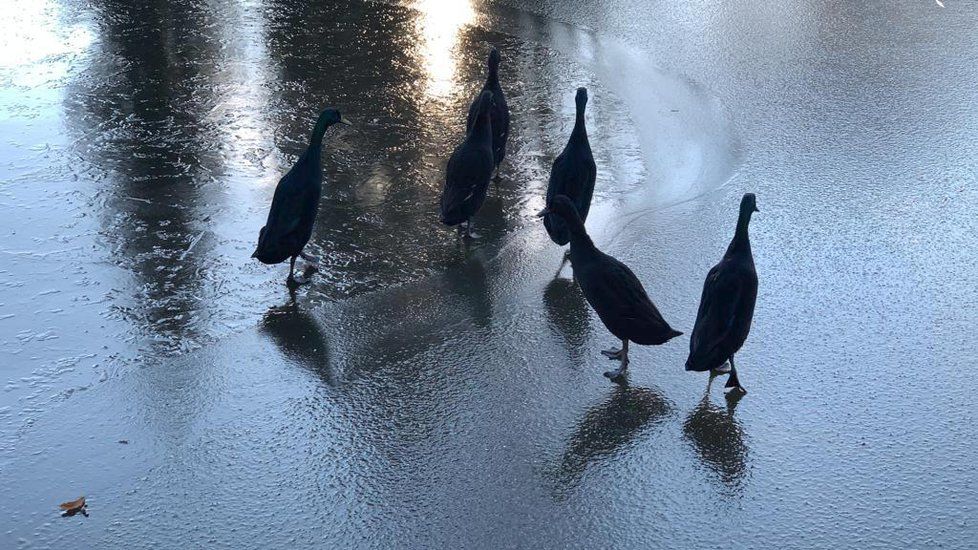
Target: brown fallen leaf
<point>73,506</point>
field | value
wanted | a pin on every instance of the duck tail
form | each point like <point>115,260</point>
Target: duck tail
<point>696,362</point>
<point>450,219</point>
<point>261,240</point>
<point>671,334</point>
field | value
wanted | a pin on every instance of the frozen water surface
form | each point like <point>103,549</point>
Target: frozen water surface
<point>423,394</point>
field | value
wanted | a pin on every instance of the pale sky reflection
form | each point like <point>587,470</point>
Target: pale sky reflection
<point>439,26</point>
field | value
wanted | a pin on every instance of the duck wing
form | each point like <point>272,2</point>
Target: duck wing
<point>576,181</point>
<point>573,173</point>
<point>723,319</point>
<point>624,307</point>
<point>473,112</point>
<point>582,183</point>
<point>500,124</point>
<point>289,216</point>
<point>468,173</point>
<point>558,185</point>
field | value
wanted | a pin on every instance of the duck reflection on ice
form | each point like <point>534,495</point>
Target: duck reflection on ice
<point>718,438</point>
<point>469,281</point>
<point>610,427</point>
<point>568,312</point>
<point>300,337</point>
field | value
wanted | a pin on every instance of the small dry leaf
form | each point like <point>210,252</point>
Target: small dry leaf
<point>73,506</point>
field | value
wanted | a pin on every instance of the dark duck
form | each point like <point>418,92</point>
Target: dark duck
<point>727,305</point>
<point>469,171</point>
<point>572,175</point>
<point>295,203</point>
<point>498,114</point>
<point>612,289</point>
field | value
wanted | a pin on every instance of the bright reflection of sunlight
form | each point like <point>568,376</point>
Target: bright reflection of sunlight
<point>30,31</point>
<point>242,103</point>
<point>439,25</point>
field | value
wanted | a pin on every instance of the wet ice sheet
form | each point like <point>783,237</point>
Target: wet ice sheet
<point>144,167</point>
<point>483,407</point>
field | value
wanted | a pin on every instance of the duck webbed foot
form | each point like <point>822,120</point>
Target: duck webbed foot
<point>722,369</point>
<point>314,261</point>
<point>618,373</point>
<point>305,277</point>
<point>617,355</point>
<point>291,282</point>
<point>733,382</point>
<point>295,281</point>
<point>467,233</point>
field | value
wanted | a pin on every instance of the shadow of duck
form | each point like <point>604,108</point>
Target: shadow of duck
<point>300,337</point>
<point>610,428</point>
<point>718,439</point>
<point>568,313</point>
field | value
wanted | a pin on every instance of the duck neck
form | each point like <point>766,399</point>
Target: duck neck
<point>580,129</point>
<point>492,79</point>
<point>741,239</point>
<point>580,241</point>
<point>316,141</point>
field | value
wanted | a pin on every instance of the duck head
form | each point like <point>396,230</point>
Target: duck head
<point>326,119</point>
<point>562,206</point>
<point>748,204</point>
<point>493,60</point>
<point>332,116</point>
<point>581,99</point>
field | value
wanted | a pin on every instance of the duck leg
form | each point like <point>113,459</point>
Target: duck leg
<point>722,369</point>
<point>302,279</point>
<point>291,279</point>
<point>562,262</point>
<point>618,355</point>
<point>615,354</point>
<point>733,383</point>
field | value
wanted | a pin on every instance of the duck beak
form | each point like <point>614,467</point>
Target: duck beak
<point>543,212</point>
<point>344,120</point>
<point>756,209</point>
